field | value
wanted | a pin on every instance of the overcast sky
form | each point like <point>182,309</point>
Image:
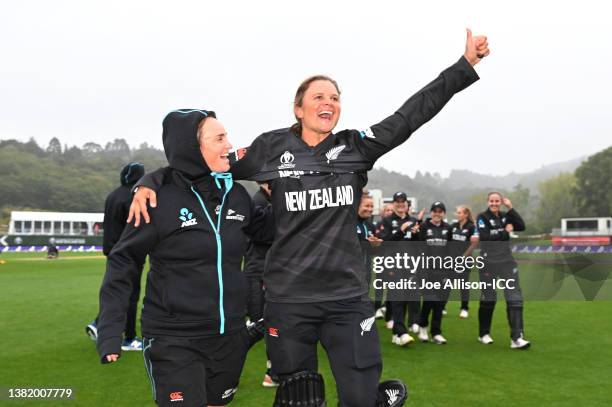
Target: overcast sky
<point>98,70</point>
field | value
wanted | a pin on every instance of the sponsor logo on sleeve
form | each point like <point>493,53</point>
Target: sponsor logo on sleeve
<point>240,153</point>
<point>367,133</point>
<point>273,332</point>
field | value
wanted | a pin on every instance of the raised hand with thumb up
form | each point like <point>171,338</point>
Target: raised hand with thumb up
<point>476,48</point>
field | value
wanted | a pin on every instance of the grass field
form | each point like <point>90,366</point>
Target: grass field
<point>45,305</point>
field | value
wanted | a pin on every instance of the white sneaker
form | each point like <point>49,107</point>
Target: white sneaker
<point>463,314</point>
<point>131,345</point>
<point>485,339</point>
<point>379,314</point>
<point>268,381</point>
<point>444,312</point>
<point>423,335</point>
<point>403,340</point>
<point>439,339</point>
<point>389,324</point>
<point>92,331</point>
<point>415,328</point>
<point>520,343</point>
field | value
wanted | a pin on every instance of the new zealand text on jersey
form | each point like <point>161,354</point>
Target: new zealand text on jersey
<point>319,198</point>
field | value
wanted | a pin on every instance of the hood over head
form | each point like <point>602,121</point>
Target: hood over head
<point>132,173</point>
<point>180,137</point>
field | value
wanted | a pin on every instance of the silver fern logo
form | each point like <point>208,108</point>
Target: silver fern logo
<point>392,394</point>
<point>334,153</point>
<point>366,325</point>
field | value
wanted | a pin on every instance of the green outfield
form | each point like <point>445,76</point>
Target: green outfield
<point>45,305</point>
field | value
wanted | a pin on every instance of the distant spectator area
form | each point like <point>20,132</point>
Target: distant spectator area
<point>56,223</point>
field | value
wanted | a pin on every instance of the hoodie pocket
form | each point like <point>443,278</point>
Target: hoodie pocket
<point>192,293</point>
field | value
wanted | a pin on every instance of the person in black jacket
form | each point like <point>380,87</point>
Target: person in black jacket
<point>367,236</point>
<point>314,272</point>
<point>464,239</point>
<point>494,228</point>
<point>365,228</point>
<point>401,227</point>
<point>116,209</point>
<point>435,233</point>
<point>254,261</point>
<point>193,317</point>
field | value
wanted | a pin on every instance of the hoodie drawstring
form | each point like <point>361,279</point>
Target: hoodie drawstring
<point>227,177</point>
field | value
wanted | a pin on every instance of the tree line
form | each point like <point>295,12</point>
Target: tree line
<point>77,179</point>
<point>65,179</point>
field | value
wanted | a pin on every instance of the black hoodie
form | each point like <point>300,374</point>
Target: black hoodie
<point>117,205</point>
<point>195,286</point>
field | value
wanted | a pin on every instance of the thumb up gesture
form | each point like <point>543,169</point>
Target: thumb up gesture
<point>476,48</point>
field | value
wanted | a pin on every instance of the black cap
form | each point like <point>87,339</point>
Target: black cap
<point>438,205</point>
<point>399,197</point>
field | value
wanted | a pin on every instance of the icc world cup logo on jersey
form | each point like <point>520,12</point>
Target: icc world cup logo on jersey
<point>286,161</point>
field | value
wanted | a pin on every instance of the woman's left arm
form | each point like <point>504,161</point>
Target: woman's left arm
<point>425,104</point>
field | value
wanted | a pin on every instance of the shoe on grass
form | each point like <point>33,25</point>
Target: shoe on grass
<point>131,345</point>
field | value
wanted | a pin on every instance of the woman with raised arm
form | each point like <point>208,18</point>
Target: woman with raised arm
<point>314,272</point>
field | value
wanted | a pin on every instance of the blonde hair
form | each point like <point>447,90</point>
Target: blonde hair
<point>468,211</point>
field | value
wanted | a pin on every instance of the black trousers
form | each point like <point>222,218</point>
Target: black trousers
<point>399,309</point>
<point>503,271</point>
<point>347,331</point>
<point>130,321</point>
<point>195,371</point>
<point>412,304</point>
<point>465,293</point>
<point>434,301</point>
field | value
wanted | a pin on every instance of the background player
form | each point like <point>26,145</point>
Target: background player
<point>494,228</point>
<point>116,209</point>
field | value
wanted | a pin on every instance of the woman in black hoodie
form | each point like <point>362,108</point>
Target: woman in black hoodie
<point>195,341</point>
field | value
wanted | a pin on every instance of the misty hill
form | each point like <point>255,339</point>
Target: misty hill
<point>462,183</point>
<point>459,179</point>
